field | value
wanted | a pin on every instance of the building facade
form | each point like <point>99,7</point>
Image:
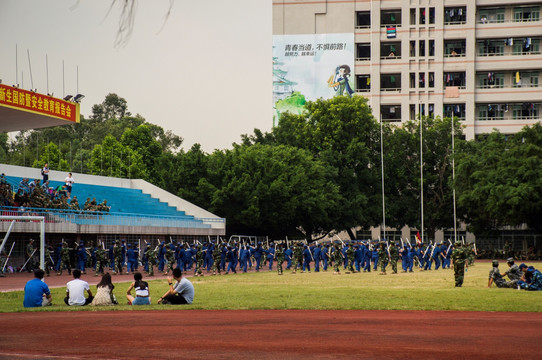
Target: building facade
<point>476,59</point>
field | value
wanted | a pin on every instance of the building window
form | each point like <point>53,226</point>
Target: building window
<point>455,79</point>
<point>455,15</point>
<point>431,109</point>
<point>363,19</point>
<point>431,79</point>
<point>421,79</point>
<point>523,14</point>
<point>412,16</point>
<point>412,48</point>
<point>525,46</point>
<point>390,82</point>
<point>490,79</point>
<point>492,111</point>
<point>422,48</point>
<point>390,17</point>
<point>391,113</point>
<point>493,15</point>
<point>525,111</point>
<point>412,112</point>
<point>525,79</point>
<point>412,81</point>
<point>454,48</point>
<point>457,110</point>
<point>493,47</point>
<point>431,15</point>
<point>390,50</point>
<point>431,47</point>
<point>363,52</point>
<point>363,83</point>
<point>422,16</point>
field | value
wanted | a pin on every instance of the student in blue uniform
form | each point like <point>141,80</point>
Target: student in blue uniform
<point>436,256</point>
<point>258,252</point>
<point>317,254</point>
<point>324,255</point>
<point>162,256</point>
<point>374,257</point>
<point>307,258</point>
<point>270,254</point>
<point>288,253</point>
<point>81,257</point>
<point>131,259</point>
<point>411,253</point>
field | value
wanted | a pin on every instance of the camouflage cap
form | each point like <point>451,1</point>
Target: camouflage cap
<point>510,260</point>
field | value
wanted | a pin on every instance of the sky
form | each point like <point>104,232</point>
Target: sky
<point>205,72</point>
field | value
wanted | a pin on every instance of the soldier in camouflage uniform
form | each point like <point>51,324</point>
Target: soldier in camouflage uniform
<point>298,257</point>
<point>100,260</point>
<point>279,255</point>
<point>48,259</point>
<point>496,277</point>
<point>337,259</point>
<point>383,258</point>
<point>394,257</point>
<point>29,258</point>
<point>470,253</point>
<point>217,251</point>
<point>350,252</point>
<point>199,261</point>
<point>117,253</point>
<point>459,258</point>
<point>65,259</point>
<point>151,256</point>
<point>170,258</point>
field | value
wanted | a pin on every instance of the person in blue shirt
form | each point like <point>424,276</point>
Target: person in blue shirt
<point>358,257</point>
<point>258,256</point>
<point>81,257</point>
<point>411,253</point>
<point>36,292</point>
<point>231,261</point>
<point>162,256</point>
<point>324,255</point>
<point>179,256</point>
<point>367,257</point>
<point>317,254</point>
<point>243,258</point>
<point>403,251</point>
<point>307,258</point>
<point>288,253</point>
<point>131,257</point>
<point>270,254</point>
<point>436,256</point>
<point>111,255</point>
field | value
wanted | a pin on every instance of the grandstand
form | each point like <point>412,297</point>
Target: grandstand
<point>139,211</point>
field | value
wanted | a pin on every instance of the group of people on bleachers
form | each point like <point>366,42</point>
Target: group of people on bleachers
<point>38,194</point>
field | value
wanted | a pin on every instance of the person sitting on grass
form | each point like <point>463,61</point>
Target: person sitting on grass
<point>141,290</point>
<point>104,292</point>
<point>180,293</point>
<point>36,292</point>
<point>75,291</point>
<point>531,280</point>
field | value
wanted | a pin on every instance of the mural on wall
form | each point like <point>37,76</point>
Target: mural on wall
<point>309,67</point>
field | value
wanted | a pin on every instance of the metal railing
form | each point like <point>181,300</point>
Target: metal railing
<point>80,217</point>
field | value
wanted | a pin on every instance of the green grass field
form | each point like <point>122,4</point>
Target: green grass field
<point>428,290</point>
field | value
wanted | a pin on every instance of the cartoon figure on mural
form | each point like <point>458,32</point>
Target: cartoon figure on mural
<point>340,81</point>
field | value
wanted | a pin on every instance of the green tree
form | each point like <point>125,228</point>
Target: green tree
<point>341,132</point>
<point>275,190</point>
<point>112,158</point>
<point>499,181</point>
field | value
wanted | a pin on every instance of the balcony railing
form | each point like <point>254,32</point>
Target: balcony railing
<point>363,59</point>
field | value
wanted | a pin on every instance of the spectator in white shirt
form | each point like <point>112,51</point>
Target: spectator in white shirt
<point>75,291</point>
<point>69,183</point>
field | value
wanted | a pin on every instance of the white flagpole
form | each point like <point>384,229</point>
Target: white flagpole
<point>382,167</point>
<point>421,170</point>
<point>453,178</point>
